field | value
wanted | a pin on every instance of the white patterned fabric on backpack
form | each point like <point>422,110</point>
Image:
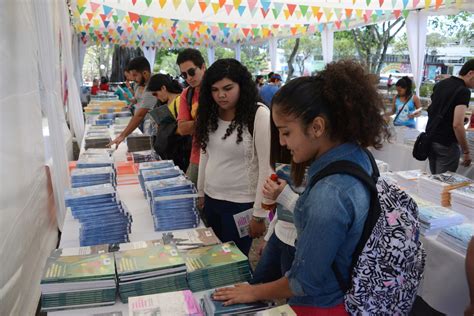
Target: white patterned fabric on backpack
<point>388,272</point>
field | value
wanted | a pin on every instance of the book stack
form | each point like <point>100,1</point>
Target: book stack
<point>434,218</point>
<point>180,303</point>
<point>97,137</point>
<point>95,162</point>
<point>145,156</point>
<point>212,307</point>
<point>78,281</point>
<point>83,177</point>
<point>382,165</point>
<point>104,122</point>
<point>146,175</point>
<point>150,270</point>
<point>172,203</point>
<point>408,180</point>
<point>98,152</point>
<point>162,164</point>
<point>103,218</point>
<point>123,114</point>
<point>139,142</point>
<point>216,266</point>
<point>435,188</point>
<point>462,201</point>
<point>457,237</point>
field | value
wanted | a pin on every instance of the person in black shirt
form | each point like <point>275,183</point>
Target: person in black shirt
<point>450,133</point>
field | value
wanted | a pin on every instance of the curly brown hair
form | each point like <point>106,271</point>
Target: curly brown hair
<point>344,96</point>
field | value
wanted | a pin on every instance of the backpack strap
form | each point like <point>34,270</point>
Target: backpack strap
<point>353,169</point>
<point>189,98</point>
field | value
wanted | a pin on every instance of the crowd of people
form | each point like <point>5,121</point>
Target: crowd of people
<point>229,130</point>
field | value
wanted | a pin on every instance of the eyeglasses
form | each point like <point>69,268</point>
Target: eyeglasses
<point>190,72</point>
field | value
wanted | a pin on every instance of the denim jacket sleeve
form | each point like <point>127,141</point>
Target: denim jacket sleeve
<point>326,214</point>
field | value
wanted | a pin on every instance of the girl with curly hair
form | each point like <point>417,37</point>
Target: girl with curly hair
<point>329,117</point>
<point>233,130</point>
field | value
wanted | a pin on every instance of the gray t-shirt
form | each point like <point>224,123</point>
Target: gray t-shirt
<point>144,99</point>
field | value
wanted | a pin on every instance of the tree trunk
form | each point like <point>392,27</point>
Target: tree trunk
<point>120,59</point>
<point>291,69</point>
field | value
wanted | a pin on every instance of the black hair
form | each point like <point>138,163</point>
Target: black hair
<point>159,80</point>
<point>103,80</point>
<point>190,54</point>
<point>139,64</point>
<point>257,78</point>
<point>468,66</point>
<point>405,83</point>
<point>344,96</point>
<point>270,74</point>
<point>246,107</point>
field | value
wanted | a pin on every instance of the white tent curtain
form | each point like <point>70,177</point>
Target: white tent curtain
<point>28,230</point>
<point>78,54</point>
<point>327,41</point>
<point>47,40</point>
<point>76,117</point>
<point>272,50</point>
<point>416,25</point>
<point>150,53</point>
<point>211,55</point>
<point>238,52</point>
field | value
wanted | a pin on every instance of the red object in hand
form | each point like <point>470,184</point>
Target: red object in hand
<point>267,204</point>
<point>274,177</point>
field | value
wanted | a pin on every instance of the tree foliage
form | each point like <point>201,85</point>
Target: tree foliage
<point>372,42</point>
<point>459,27</point>
<point>299,50</point>
<point>433,41</point>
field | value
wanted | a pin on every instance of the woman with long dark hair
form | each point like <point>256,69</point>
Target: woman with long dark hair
<point>233,130</point>
<point>406,106</point>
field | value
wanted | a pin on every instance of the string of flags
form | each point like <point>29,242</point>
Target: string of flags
<point>183,23</point>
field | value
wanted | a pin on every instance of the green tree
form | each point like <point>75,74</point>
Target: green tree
<point>433,41</point>
<point>344,46</point>
<point>299,50</point>
<point>459,26</point>
<point>372,42</point>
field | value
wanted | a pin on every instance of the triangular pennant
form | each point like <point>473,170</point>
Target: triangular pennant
<point>229,8</point>
<point>277,6</point>
<point>381,2</point>
<point>252,3</point>
<point>359,13</point>
<point>338,12</point>
<point>298,14</point>
<point>134,17</point>
<point>237,4</point>
<point>245,31</point>
<point>176,4</point>
<point>329,26</point>
<point>287,13</point>
<point>348,13</point>
<point>379,13</point>
<point>293,30</point>
<point>203,6</point>
<point>328,13</point>
<point>438,4</point>
<point>255,32</point>
<point>304,9</point>
<point>354,1</point>
<point>81,9</point>
<point>291,8</point>
<point>405,3</point>
<point>338,24</point>
<point>319,15</point>
<point>103,17</point>
<point>253,11</point>
<point>415,3</point>
<point>81,3</point>
<point>135,26</point>
<point>367,2</point>
<point>427,4</point>
<point>162,3</point>
<point>134,2</point>
<point>120,13</point>
<point>190,4</point>
<point>265,4</point>
<point>144,19</point>
<point>107,9</point>
<point>321,27</point>
<point>89,16</point>
<point>221,3</point>
<point>215,7</point>
<point>396,13</point>
<point>374,18</point>
<point>347,22</point>
<point>315,10</point>
<point>148,2</point>
<point>106,23</point>
<point>394,3</point>
<point>241,10</point>
<point>94,6</point>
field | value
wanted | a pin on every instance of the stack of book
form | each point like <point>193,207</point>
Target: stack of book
<point>98,152</point>
<point>103,218</point>
<point>97,140</point>
<point>408,180</point>
<point>78,281</point>
<point>435,188</point>
<point>145,156</point>
<point>172,203</point>
<point>150,270</point>
<point>95,162</point>
<point>212,307</point>
<point>163,164</point>
<point>123,114</point>
<point>457,237</point>
<point>139,142</point>
<point>147,175</point>
<point>83,177</point>
<point>434,218</point>
<point>462,201</point>
<point>180,303</point>
<point>105,122</point>
<point>216,266</point>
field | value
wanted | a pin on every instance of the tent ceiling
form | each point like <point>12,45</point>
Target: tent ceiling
<point>178,23</point>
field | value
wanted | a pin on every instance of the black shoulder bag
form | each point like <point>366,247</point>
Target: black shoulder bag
<point>422,146</point>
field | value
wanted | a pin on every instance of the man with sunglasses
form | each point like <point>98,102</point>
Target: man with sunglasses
<point>139,69</point>
<point>192,67</point>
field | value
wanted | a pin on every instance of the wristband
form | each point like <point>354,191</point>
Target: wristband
<point>258,219</point>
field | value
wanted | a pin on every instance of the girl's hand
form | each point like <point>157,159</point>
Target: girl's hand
<point>271,189</point>
<point>200,202</point>
<point>240,293</point>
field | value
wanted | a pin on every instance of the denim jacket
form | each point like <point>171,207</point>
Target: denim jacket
<point>329,220</point>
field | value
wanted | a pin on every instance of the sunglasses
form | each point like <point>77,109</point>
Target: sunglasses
<point>191,72</point>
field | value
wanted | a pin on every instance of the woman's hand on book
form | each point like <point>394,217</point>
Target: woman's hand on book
<point>240,293</point>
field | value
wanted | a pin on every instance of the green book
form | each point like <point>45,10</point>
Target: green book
<point>78,268</point>
<point>214,256</point>
<point>141,260</point>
